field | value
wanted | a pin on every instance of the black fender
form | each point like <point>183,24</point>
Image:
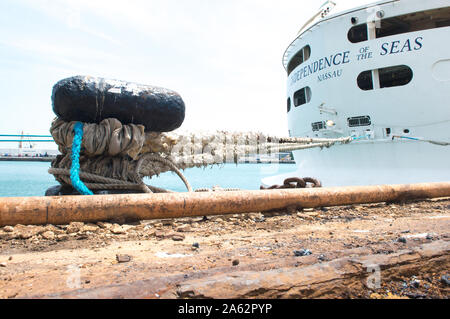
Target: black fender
<point>91,100</point>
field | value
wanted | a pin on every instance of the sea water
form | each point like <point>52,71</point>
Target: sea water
<point>18,179</point>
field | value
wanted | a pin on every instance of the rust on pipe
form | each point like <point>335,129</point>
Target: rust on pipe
<point>65,209</point>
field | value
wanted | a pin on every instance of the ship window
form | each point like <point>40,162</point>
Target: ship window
<point>395,76</point>
<point>416,21</point>
<point>317,126</point>
<point>358,33</point>
<point>288,104</point>
<point>300,57</point>
<point>365,81</point>
<point>412,22</point>
<point>302,96</point>
<point>359,121</point>
<point>398,75</point>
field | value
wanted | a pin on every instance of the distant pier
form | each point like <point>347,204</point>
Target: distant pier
<point>50,158</point>
<point>26,159</point>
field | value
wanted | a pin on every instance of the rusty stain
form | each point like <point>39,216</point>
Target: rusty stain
<point>66,209</point>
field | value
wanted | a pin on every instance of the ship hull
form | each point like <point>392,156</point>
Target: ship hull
<point>390,94</point>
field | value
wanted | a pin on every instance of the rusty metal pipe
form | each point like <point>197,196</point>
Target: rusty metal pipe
<point>66,209</point>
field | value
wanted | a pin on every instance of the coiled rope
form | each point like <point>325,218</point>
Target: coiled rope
<point>295,182</point>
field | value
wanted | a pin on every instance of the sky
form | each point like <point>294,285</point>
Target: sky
<point>222,56</point>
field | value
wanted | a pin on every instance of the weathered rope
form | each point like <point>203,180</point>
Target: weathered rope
<point>108,138</point>
<point>116,156</point>
<point>165,161</point>
<point>101,182</point>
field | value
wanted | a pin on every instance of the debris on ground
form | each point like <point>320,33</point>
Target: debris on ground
<point>168,250</point>
<point>302,252</point>
<point>123,258</point>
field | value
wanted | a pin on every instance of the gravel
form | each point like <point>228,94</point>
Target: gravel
<point>445,279</point>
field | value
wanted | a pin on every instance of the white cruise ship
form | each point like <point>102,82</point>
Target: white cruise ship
<point>381,74</point>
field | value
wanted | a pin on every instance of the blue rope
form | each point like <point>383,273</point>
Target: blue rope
<point>406,137</point>
<point>359,138</point>
<point>75,156</point>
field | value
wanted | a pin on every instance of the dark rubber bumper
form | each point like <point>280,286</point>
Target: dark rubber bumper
<point>91,100</point>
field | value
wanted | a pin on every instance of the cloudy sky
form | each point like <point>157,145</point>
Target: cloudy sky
<point>222,56</point>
